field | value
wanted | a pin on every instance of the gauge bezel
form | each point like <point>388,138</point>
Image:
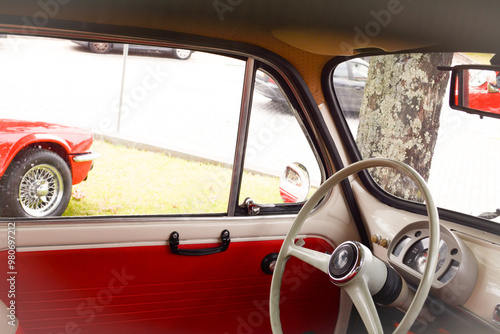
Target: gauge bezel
<point>464,276</point>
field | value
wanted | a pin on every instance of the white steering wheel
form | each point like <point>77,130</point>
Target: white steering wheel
<point>362,277</point>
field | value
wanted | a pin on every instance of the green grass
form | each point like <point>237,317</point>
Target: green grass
<point>128,181</point>
<point>482,58</point>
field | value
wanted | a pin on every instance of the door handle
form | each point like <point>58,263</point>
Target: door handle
<point>173,241</point>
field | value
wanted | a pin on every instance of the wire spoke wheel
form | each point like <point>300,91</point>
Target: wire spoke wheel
<point>100,47</point>
<point>41,190</point>
<point>182,54</point>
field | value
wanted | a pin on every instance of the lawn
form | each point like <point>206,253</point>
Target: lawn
<point>482,58</point>
<point>128,181</point>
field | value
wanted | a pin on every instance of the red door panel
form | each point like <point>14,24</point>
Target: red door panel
<point>148,289</point>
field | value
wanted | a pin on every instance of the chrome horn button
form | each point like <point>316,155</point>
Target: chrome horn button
<point>345,262</point>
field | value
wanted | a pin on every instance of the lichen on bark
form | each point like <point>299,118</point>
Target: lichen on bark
<point>399,116</point>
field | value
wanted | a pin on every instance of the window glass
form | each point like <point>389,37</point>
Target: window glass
<point>165,125</point>
<point>401,112</point>
<point>341,71</point>
<point>349,88</point>
<point>276,147</point>
<point>359,71</point>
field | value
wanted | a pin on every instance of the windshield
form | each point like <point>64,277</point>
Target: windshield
<point>401,111</point>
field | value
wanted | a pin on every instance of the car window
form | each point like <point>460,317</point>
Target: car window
<point>277,149</point>
<point>96,128</point>
<point>360,71</point>
<point>350,88</point>
<point>402,112</point>
<point>164,122</point>
<point>341,71</point>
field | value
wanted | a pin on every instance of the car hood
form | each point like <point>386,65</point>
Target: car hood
<point>21,126</point>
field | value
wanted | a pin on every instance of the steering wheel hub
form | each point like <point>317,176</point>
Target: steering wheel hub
<point>345,263</point>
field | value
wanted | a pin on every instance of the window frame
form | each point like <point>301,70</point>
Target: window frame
<point>235,206</point>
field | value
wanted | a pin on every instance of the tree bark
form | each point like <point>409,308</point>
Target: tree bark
<point>399,116</point>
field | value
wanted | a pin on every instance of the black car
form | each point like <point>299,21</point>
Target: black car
<point>349,80</point>
<point>266,85</point>
<point>104,47</point>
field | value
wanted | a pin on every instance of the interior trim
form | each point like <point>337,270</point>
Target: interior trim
<point>165,243</point>
<point>201,230</point>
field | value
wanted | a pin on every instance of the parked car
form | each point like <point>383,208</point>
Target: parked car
<point>390,239</point>
<point>39,164</point>
<point>349,79</point>
<point>103,47</point>
<point>266,86</point>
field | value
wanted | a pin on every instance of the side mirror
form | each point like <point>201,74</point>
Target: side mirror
<point>295,183</point>
<point>476,89</point>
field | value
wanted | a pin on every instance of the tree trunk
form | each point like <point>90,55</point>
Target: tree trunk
<point>399,116</point>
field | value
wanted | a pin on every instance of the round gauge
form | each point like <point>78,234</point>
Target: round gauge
<point>416,256</point>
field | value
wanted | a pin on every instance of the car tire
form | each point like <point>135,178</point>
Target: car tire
<point>97,47</point>
<point>181,54</point>
<point>37,183</point>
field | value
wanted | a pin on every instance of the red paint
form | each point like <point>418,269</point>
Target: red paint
<point>16,135</point>
<point>481,99</point>
<point>287,197</point>
<point>148,289</point>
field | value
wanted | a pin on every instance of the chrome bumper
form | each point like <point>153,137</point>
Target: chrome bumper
<point>86,157</point>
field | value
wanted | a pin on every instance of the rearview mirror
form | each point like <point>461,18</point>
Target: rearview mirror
<point>476,89</point>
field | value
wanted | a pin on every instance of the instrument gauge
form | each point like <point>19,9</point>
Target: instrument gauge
<point>416,256</point>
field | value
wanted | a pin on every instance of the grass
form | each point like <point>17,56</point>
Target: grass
<point>482,58</point>
<point>128,181</point>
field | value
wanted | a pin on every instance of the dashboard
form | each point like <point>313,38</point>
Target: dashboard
<point>457,268</point>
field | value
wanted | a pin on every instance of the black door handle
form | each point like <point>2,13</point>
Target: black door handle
<point>173,241</point>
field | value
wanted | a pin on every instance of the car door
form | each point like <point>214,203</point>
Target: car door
<point>158,238</point>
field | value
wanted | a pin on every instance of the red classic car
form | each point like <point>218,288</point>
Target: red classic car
<point>38,164</point>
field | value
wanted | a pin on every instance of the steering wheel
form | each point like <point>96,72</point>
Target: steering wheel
<point>352,266</point>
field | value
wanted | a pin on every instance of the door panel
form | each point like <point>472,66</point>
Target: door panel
<point>149,289</point>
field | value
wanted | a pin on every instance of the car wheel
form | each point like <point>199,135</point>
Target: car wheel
<point>100,47</point>
<point>182,54</point>
<point>37,183</point>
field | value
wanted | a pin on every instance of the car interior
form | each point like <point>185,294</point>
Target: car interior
<point>257,167</point>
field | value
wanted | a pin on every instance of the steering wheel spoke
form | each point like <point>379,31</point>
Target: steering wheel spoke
<point>361,297</point>
<point>316,259</point>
